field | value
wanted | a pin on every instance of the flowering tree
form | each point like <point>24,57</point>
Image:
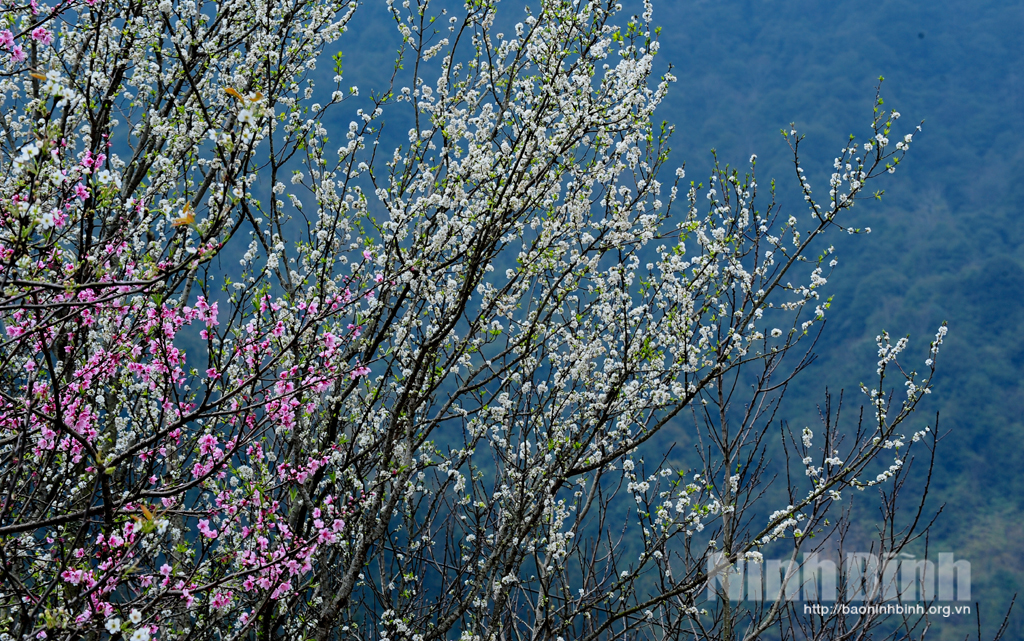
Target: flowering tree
<point>406,410</point>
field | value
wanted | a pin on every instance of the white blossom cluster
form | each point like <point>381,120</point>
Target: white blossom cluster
<point>391,394</point>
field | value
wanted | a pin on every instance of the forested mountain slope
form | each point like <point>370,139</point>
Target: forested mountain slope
<point>947,237</point>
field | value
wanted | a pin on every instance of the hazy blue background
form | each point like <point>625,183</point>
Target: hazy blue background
<point>947,237</point>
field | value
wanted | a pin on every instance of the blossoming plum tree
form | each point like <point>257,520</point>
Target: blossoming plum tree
<point>398,403</point>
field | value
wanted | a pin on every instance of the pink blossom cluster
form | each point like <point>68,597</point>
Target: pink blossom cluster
<point>154,416</point>
<point>245,539</point>
<point>106,392</point>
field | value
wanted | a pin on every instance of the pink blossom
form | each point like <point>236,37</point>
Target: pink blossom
<point>207,443</point>
<point>220,600</point>
<point>74,577</point>
<point>281,590</point>
<point>205,530</point>
<point>81,191</point>
<point>6,39</point>
<point>42,35</point>
<point>17,54</point>
<point>59,218</point>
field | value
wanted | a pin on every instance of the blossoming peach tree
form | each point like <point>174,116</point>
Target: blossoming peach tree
<point>254,384</point>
